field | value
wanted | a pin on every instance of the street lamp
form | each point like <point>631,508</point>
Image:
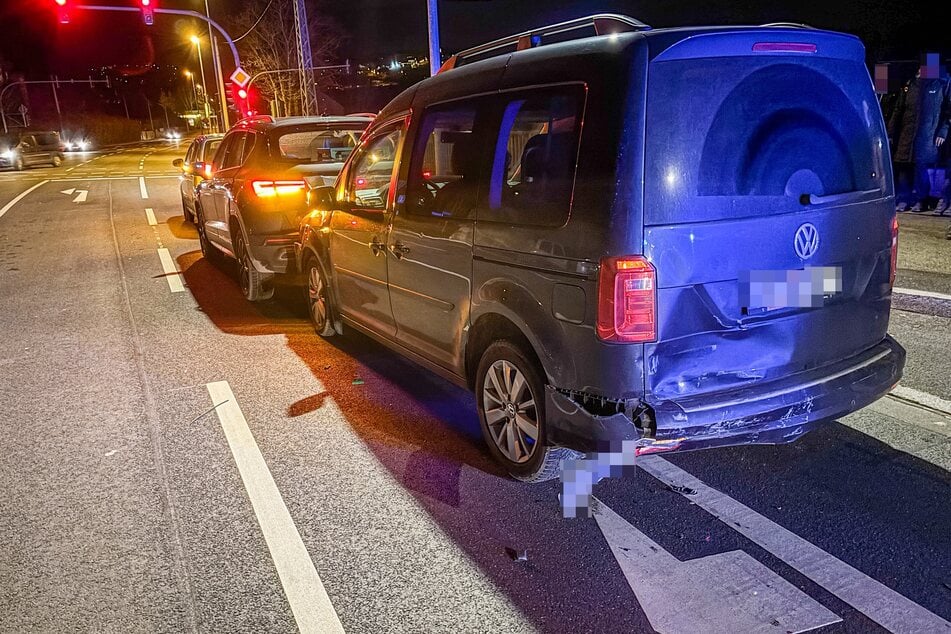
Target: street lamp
<point>197,42</point>
<point>191,76</point>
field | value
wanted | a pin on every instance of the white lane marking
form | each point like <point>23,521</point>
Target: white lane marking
<point>150,216</point>
<point>723,593</point>
<point>172,276</point>
<point>81,196</point>
<point>142,189</point>
<point>303,588</point>
<point>102,178</point>
<point>922,398</point>
<point>918,293</point>
<point>68,192</point>
<point>883,605</point>
<point>20,197</point>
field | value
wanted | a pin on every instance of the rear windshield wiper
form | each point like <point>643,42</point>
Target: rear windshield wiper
<point>847,197</point>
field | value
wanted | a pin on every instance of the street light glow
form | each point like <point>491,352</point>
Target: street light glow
<point>194,39</point>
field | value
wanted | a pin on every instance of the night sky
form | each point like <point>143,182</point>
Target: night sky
<point>36,44</point>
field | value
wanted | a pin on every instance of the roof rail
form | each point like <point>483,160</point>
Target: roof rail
<point>603,24</point>
<point>369,115</point>
<point>258,118</point>
<point>791,25</point>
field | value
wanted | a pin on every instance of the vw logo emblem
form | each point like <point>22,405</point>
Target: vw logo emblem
<point>807,241</point>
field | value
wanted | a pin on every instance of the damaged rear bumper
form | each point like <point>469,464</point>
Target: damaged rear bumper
<point>773,412</point>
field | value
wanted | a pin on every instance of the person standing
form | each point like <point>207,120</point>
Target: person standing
<point>919,127</point>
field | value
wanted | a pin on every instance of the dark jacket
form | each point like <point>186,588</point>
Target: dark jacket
<point>920,117</point>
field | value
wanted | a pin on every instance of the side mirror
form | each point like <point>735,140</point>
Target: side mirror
<point>178,163</point>
<point>321,198</point>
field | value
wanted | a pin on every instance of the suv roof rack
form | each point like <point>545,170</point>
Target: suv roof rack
<point>603,24</point>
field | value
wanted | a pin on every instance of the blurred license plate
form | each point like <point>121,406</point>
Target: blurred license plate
<point>761,291</point>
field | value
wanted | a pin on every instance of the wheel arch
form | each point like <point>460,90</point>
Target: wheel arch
<point>493,327</point>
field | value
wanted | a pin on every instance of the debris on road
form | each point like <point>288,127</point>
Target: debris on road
<point>684,490</point>
<point>516,555</point>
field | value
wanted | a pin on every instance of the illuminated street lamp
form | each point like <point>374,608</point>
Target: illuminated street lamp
<point>191,76</point>
<point>197,42</point>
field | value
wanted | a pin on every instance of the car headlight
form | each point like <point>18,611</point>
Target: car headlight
<point>8,155</point>
<point>83,145</point>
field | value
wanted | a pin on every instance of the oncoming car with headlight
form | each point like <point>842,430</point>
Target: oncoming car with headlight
<point>28,149</point>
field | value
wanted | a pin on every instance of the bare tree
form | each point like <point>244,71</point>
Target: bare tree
<point>272,45</point>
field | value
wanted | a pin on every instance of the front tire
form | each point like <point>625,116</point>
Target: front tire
<point>18,164</point>
<point>510,396</point>
<point>249,278</point>
<point>318,298</point>
<point>57,160</point>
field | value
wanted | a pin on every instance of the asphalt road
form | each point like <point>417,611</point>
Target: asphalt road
<point>174,459</point>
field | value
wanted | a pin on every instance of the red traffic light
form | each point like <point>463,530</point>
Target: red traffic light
<point>147,12</point>
<point>62,11</point>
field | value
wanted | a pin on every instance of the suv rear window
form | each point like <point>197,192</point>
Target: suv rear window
<point>745,136</point>
<point>317,144</point>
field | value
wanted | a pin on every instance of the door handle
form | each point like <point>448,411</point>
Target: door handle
<point>377,247</point>
<point>399,249</point>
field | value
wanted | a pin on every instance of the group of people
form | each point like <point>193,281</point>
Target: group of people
<point>919,118</point>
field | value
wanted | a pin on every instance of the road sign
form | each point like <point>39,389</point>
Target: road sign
<point>240,77</point>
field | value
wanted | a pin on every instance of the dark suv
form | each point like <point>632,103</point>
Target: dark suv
<point>682,238</point>
<point>251,204</point>
<point>31,148</point>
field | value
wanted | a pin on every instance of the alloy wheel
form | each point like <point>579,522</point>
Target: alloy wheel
<point>510,411</point>
<point>317,298</point>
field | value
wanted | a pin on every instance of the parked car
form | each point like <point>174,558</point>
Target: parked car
<point>196,167</point>
<point>251,206</point>
<point>605,252</point>
<point>28,149</point>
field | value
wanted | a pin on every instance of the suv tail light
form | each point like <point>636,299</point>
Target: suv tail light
<point>894,261</point>
<point>627,300</point>
<point>269,189</point>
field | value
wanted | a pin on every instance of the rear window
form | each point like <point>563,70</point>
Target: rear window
<point>317,145</point>
<point>747,136</point>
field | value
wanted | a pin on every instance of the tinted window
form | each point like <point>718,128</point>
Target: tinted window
<point>249,140</point>
<point>447,164</point>
<point>232,151</point>
<point>767,130</point>
<point>536,152</point>
<point>318,145</point>
<point>210,148</point>
<point>371,173</point>
<point>192,152</point>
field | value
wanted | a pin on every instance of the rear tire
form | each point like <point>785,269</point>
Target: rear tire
<point>208,250</point>
<point>251,281</point>
<point>18,164</point>
<point>57,160</point>
<point>510,396</point>
<point>189,216</point>
<point>317,296</point>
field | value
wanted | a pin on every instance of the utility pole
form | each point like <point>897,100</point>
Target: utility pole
<point>221,87</point>
<point>149,107</point>
<point>435,60</point>
<point>305,58</point>
<point>59,115</point>
<point>219,76</point>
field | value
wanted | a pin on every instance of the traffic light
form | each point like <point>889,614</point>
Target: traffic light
<point>62,9</point>
<point>147,11</point>
<point>240,99</point>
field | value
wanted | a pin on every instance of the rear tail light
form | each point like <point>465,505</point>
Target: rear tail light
<point>894,260</point>
<point>270,189</point>
<point>627,300</point>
